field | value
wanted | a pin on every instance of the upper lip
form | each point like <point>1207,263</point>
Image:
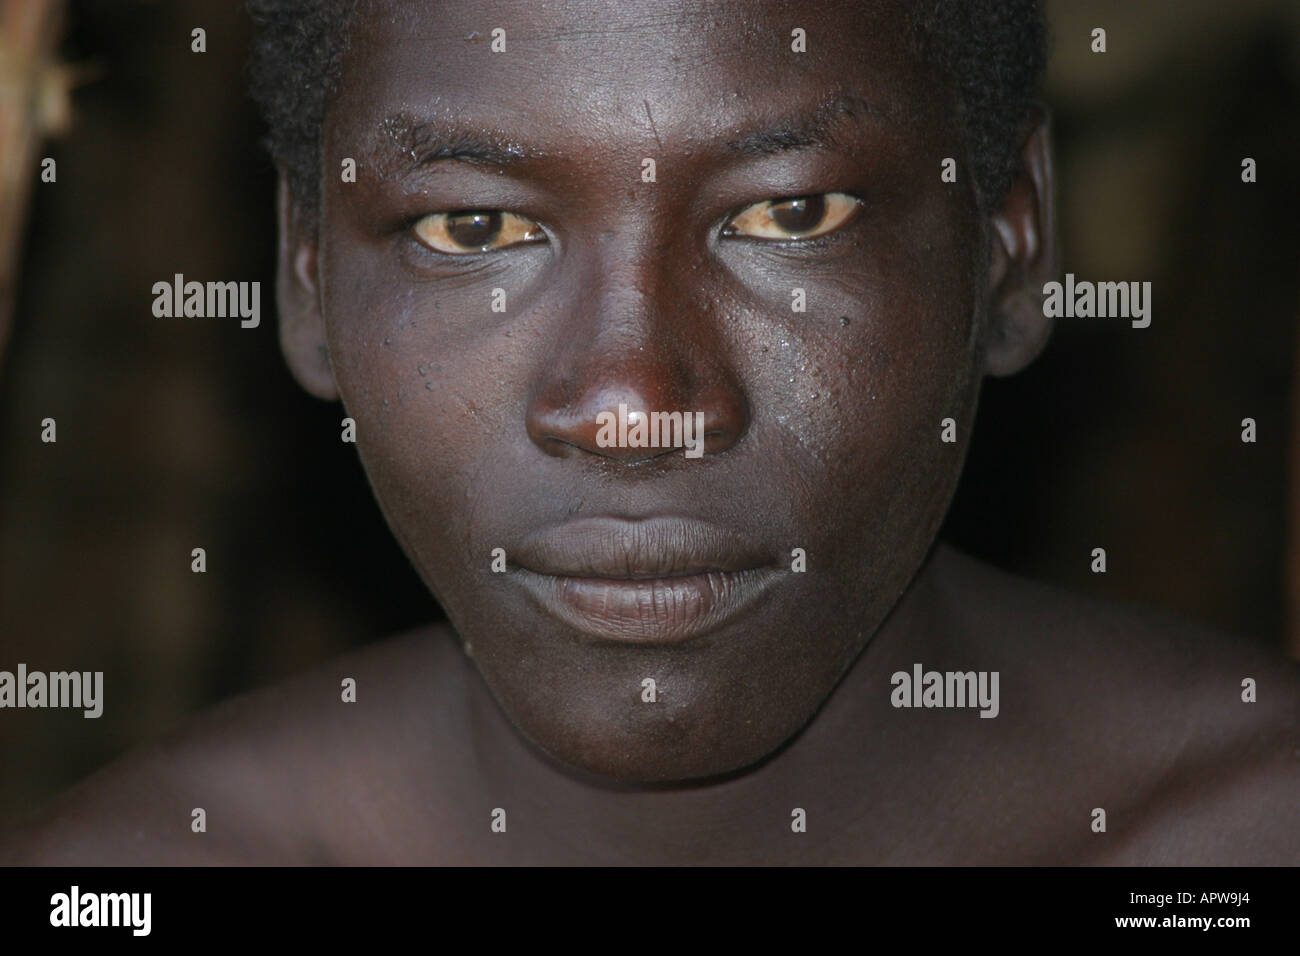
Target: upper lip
<point>637,549</point>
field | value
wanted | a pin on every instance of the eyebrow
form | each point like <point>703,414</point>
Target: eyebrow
<point>412,143</point>
<point>415,144</point>
<point>816,128</point>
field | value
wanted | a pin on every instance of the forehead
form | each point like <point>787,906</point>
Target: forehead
<point>558,73</point>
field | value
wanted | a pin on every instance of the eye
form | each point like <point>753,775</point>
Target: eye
<point>802,217</point>
<point>468,231</point>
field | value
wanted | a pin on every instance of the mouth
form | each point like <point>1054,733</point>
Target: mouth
<point>656,580</point>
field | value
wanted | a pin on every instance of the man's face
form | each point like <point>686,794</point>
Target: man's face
<point>823,364</point>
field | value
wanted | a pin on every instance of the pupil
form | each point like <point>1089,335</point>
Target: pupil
<point>799,215</point>
<point>474,228</point>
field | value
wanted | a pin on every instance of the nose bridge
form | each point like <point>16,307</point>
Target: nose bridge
<point>627,305</point>
<point>634,236</point>
<point>630,336</point>
<point>621,345</point>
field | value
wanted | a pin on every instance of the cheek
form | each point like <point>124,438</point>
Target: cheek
<point>863,397</point>
<point>425,428</point>
<point>873,399</point>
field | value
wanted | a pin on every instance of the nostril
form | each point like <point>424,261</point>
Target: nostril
<point>556,447</point>
<point>635,402</point>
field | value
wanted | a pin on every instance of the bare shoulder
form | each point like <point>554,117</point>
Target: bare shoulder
<point>1188,739</point>
<point>314,769</point>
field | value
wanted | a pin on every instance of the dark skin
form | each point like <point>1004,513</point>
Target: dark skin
<point>821,435</point>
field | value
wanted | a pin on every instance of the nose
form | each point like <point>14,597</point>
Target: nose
<point>634,350</point>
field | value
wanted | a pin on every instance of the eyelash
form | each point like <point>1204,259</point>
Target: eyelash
<point>822,241</point>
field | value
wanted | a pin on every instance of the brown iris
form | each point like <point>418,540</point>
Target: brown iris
<point>800,217</point>
<point>475,230</point>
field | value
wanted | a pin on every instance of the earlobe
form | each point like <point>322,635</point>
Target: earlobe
<point>297,291</point>
<point>1024,257</point>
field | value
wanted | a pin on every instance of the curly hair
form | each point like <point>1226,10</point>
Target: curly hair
<point>294,68</point>
<point>992,54</point>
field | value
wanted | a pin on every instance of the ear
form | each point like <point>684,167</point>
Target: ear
<point>1024,256</point>
<point>297,292</point>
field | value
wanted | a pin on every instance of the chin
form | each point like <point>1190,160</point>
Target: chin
<point>672,745</point>
<point>636,764</point>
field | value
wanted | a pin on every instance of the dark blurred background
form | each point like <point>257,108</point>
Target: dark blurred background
<point>176,435</point>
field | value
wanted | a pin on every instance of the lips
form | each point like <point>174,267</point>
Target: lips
<point>653,580</point>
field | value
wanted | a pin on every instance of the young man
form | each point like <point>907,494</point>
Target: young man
<point>808,230</point>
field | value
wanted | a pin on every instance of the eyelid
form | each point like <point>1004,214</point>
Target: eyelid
<point>840,209</point>
<point>431,231</point>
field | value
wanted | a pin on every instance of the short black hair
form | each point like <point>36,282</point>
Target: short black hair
<point>992,53</point>
<point>294,67</point>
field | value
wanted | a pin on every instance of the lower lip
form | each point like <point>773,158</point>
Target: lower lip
<point>658,611</point>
